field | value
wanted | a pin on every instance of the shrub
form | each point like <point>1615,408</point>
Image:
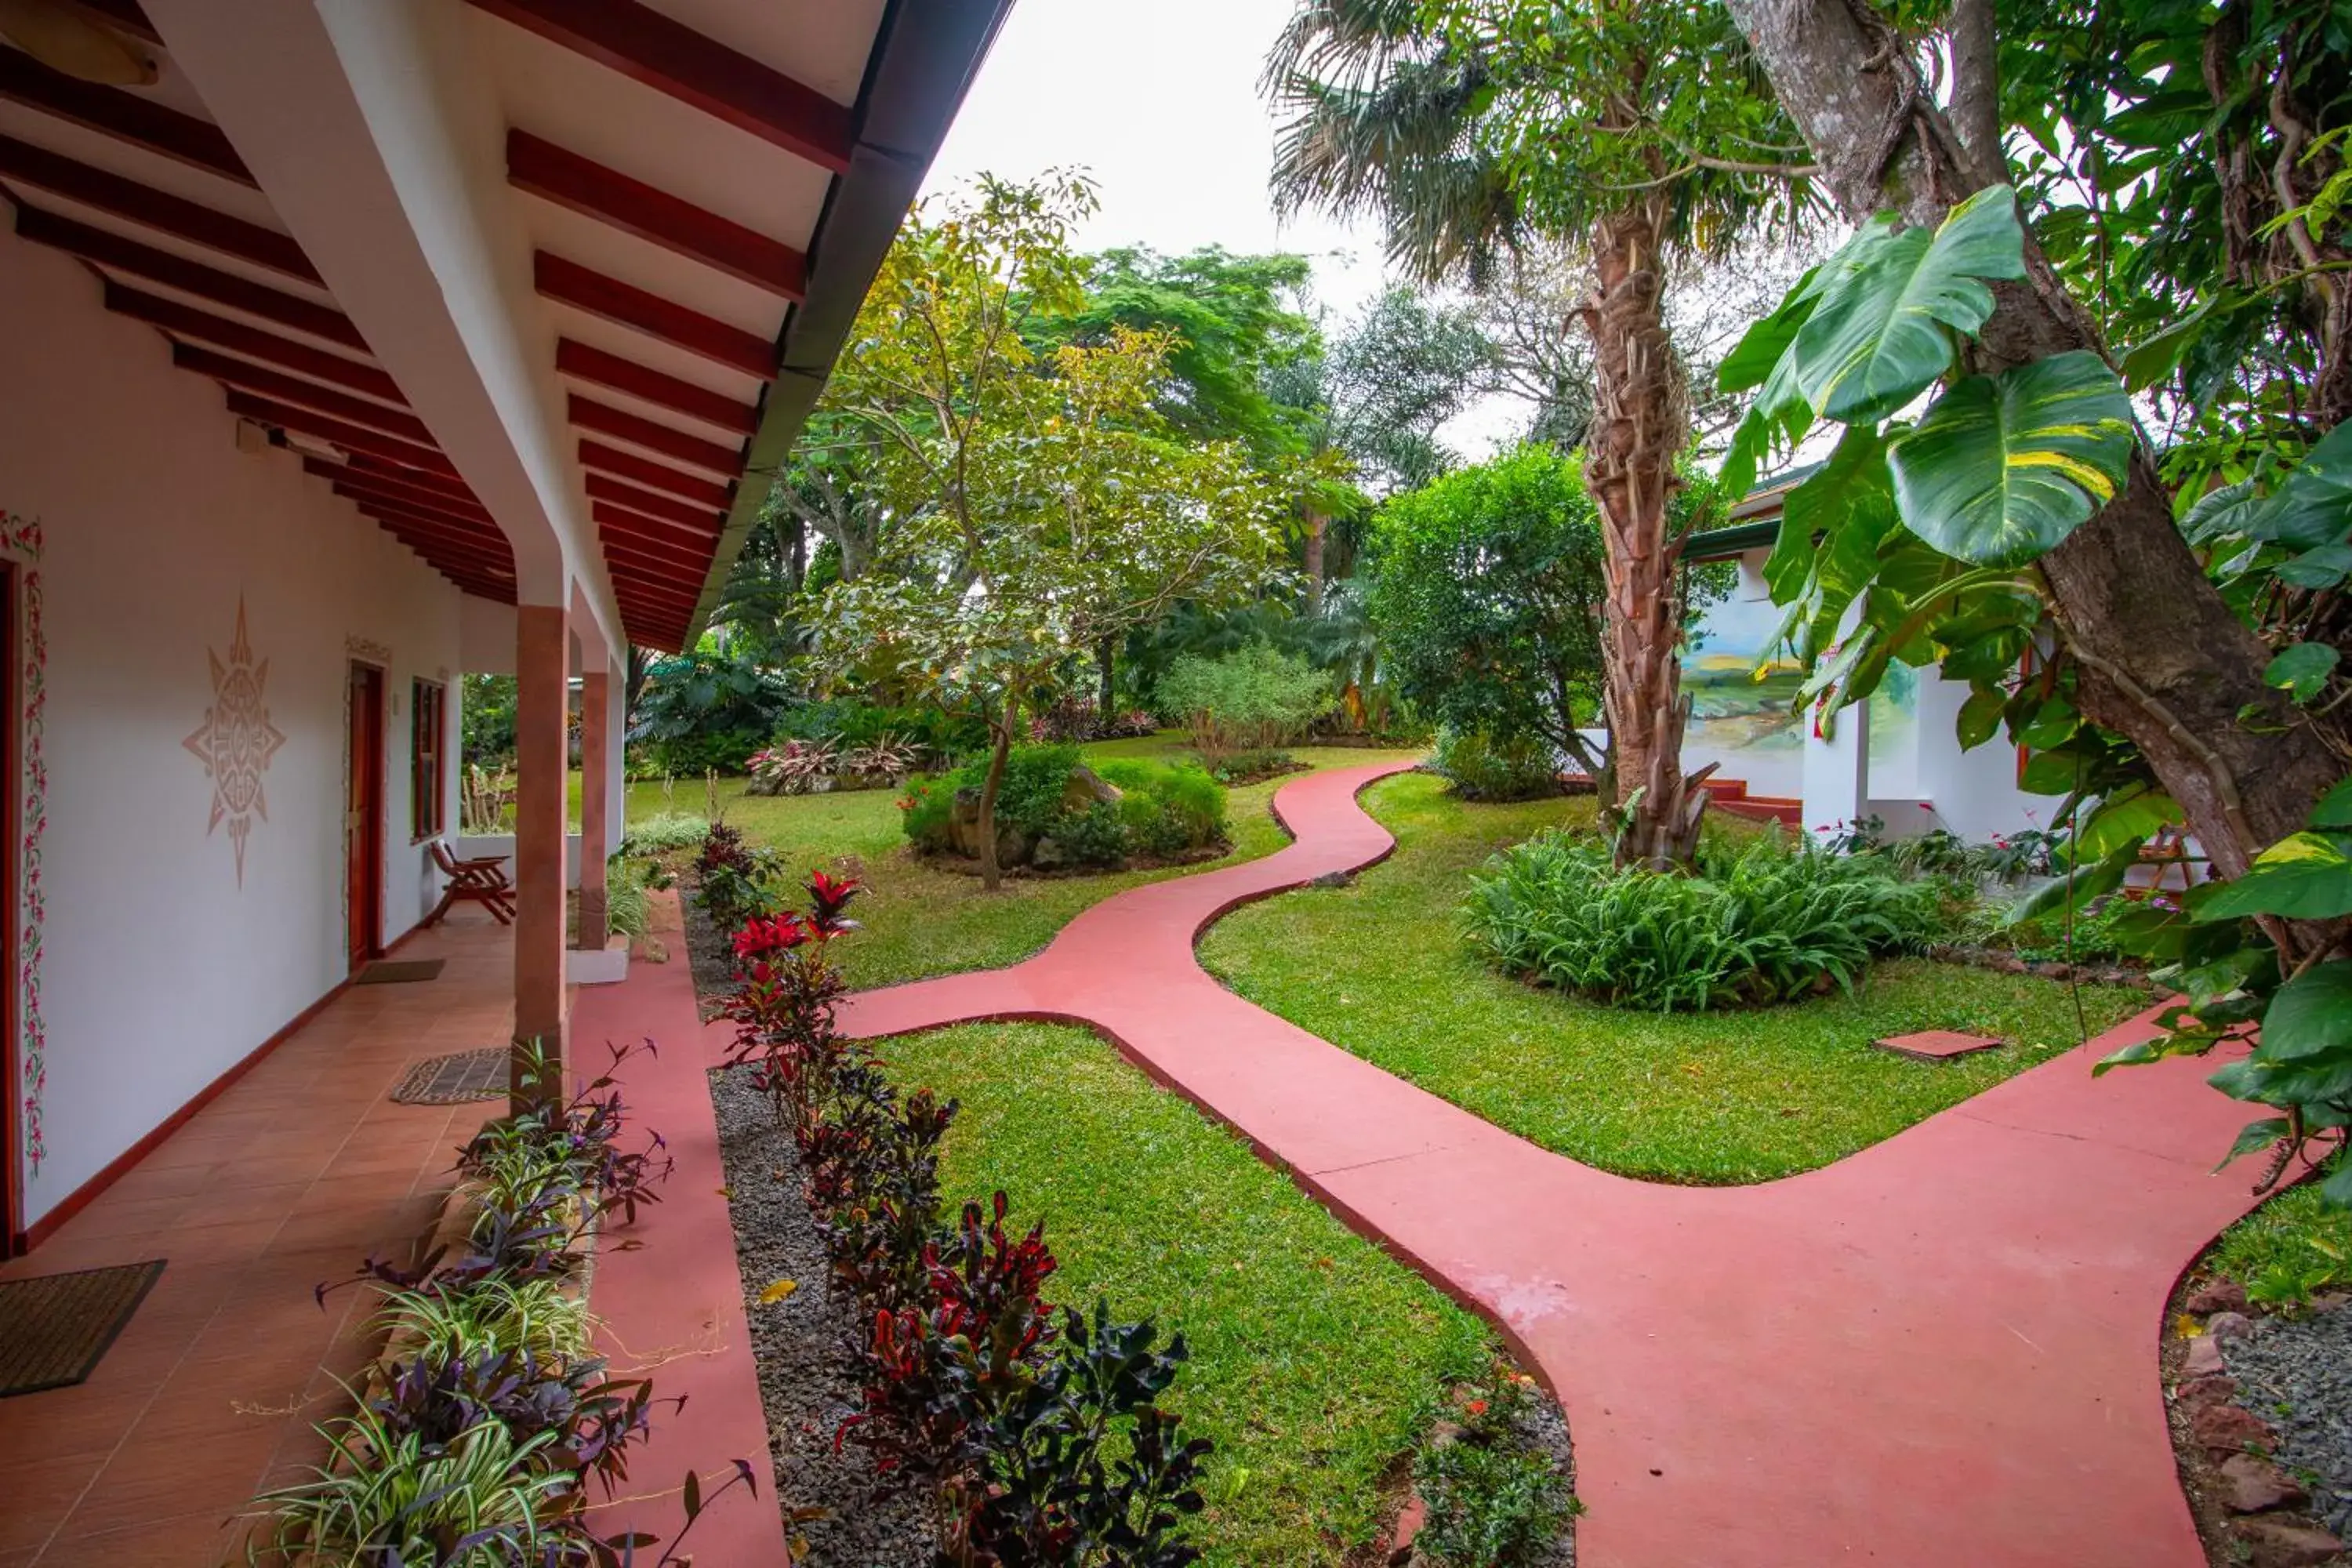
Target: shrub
<point>665,832</point>
<point>1496,1500</point>
<point>732,875</point>
<point>1254,699</point>
<point>938,739</point>
<point>705,751</point>
<point>627,912</point>
<point>1480,768</point>
<point>1165,810</point>
<point>1766,924</point>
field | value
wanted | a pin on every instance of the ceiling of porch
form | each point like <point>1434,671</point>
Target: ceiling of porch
<point>674,164</point>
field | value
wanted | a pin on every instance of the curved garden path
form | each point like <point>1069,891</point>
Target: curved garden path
<point>1941,1351</point>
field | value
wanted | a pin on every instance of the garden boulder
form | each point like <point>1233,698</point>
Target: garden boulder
<point>1084,790</point>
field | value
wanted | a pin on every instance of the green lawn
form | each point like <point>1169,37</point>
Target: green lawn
<point>1315,1358</point>
<point>1380,969</point>
<point>923,919</point>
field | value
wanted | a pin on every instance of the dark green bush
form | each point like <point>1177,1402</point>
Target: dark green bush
<point>1765,924</point>
<point>692,756</point>
<point>1481,768</point>
<point>850,724</point>
<point>1164,810</point>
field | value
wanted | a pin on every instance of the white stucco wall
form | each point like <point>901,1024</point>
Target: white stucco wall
<point>159,970</point>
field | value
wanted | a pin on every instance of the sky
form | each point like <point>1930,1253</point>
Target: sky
<point>1160,104</point>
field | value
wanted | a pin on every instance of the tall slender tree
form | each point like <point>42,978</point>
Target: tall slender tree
<point>1471,125</point>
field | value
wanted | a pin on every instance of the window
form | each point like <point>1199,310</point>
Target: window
<point>428,786</point>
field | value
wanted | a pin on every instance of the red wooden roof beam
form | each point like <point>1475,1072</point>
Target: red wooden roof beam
<point>669,57</point>
<point>294,389</point>
<point>603,418</point>
<point>655,476</point>
<point>351,437</point>
<point>560,175</point>
<point>626,305</point>
<point>123,254</point>
<point>158,210</point>
<point>646,503</point>
<point>187,322</point>
<point>125,116</point>
<point>588,363</point>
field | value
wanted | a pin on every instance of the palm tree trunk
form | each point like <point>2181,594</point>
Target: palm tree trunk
<point>1639,420</point>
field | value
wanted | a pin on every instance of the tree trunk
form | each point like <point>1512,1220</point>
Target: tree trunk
<point>1107,661</point>
<point>2161,658</point>
<point>992,875</point>
<point>1639,422</point>
<point>1318,526</point>
<point>1976,87</point>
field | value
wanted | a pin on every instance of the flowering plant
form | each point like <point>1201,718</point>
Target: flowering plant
<point>783,1011</point>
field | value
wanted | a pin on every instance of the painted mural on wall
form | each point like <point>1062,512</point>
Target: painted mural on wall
<point>1745,711</point>
<point>236,740</point>
<point>21,538</point>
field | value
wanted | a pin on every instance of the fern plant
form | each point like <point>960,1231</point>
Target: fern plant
<point>1767,923</point>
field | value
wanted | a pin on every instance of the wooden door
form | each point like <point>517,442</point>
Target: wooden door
<point>363,816</point>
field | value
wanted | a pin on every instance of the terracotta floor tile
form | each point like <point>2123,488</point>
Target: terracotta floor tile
<point>156,1479</point>
<point>187,1541</point>
<point>40,1493</point>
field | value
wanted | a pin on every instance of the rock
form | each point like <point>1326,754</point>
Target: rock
<point>2283,1543</point>
<point>2204,1357</point>
<point>2198,1392</point>
<point>1329,881</point>
<point>2227,1325</point>
<point>1049,855</point>
<point>2256,1486</point>
<point>1414,1514</point>
<point>1086,789</point>
<point>1013,846</point>
<point>2222,1294</point>
<point>2228,1429</point>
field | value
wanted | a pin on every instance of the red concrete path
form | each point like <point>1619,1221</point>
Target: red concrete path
<point>666,1293</point>
<point>1939,1352</point>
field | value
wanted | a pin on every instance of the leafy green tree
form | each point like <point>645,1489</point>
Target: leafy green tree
<point>1369,402</point>
<point>1234,323</point>
<point>1036,504</point>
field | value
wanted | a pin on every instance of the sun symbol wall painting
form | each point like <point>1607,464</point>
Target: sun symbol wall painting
<point>236,740</point>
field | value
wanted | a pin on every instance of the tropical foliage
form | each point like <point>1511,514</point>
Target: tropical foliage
<point>1766,923</point>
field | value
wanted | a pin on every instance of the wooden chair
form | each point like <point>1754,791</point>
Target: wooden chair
<point>479,881</point>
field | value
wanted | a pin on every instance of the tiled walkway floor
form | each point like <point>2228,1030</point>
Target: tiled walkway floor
<point>295,1173</point>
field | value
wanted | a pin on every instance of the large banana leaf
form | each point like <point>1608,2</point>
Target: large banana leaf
<point>1882,331</point>
<point>2002,468</point>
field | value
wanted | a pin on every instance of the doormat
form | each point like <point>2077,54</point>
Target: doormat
<point>398,971</point>
<point>54,1329</point>
<point>455,1079</point>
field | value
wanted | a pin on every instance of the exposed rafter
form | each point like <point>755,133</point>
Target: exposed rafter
<point>232,372</point>
<point>351,437</point>
<point>187,322</point>
<point>646,503</point>
<point>121,253</point>
<point>669,57</point>
<point>152,208</point>
<point>125,116</point>
<point>606,420</point>
<point>653,215</point>
<point>600,458</point>
<point>626,305</point>
<point>583,362</point>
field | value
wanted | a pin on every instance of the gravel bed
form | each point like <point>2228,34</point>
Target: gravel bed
<point>872,1521</point>
<point>1544,1424</point>
<point>2296,1374</point>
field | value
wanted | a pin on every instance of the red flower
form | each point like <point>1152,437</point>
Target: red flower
<point>780,934</point>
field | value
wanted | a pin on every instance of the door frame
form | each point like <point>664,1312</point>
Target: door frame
<point>14,1238</point>
<point>364,776</point>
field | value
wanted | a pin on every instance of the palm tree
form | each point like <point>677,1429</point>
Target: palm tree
<point>1507,124</point>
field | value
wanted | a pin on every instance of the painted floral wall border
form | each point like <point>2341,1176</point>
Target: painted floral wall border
<point>20,538</point>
